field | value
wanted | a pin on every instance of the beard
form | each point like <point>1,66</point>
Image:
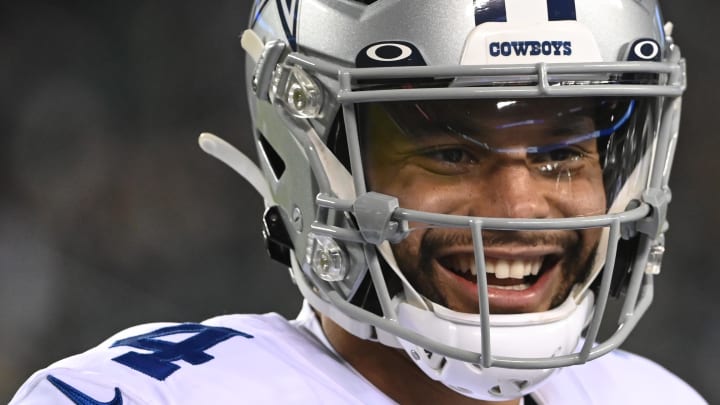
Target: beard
<point>416,256</point>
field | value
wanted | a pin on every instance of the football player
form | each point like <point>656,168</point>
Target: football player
<point>459,189</point>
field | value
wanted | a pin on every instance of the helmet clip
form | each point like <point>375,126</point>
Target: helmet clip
<point>373,212</point>
<point>655,224</point>
<point>263,76</point>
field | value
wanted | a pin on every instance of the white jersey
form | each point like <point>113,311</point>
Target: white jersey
<point>265,359</point>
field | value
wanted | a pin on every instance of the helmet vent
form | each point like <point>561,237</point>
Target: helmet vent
<point>367,2</point>
<point>273,158</point>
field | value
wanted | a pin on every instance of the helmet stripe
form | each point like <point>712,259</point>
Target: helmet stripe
<point>490,11</point>
<point>559,10</point>
<point>288,11</point>
<point>497,11</point>
<point>257,11</point>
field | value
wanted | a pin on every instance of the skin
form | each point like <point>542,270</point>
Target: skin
<point>430,168</point>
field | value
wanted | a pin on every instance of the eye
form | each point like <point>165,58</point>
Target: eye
<point>564,155</point>
<point>451,155</point>
<point>556,160</point>
<point>446,160</point>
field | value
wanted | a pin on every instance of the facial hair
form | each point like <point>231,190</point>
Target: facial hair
<point>419,269</point>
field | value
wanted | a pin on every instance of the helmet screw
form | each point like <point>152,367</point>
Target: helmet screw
<point>297,219</point>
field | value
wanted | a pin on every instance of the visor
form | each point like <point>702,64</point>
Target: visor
<point>557,149</point>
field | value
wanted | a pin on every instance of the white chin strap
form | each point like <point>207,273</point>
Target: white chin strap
<point>534,335</point>
<point>631,190</point>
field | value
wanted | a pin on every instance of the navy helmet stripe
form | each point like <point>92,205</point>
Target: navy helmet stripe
<point>258,11</point>
<point>490,11</point>
<point>559,10</point>
<point>295,18</point>
<point>290,27</point>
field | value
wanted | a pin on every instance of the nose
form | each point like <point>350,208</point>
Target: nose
<point>515,193</point>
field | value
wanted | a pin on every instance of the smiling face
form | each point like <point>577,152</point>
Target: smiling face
<point>504,159</point>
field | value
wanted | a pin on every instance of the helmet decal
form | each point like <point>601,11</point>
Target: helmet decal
<point>287,11</point>
<point>644,50</point>
<point>529,32</point>
<point>391,53</point>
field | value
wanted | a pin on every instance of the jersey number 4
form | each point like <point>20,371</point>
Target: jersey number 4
<point>158,363</point>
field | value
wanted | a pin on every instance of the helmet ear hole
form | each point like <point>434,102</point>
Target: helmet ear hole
<point>366,296</point>
<point>337,141</point>
<point>626,252</point>
<point>277,164</point>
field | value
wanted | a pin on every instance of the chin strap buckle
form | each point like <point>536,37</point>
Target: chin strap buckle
<point>655,258</point>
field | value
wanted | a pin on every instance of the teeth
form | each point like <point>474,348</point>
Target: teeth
<point>466,263</point>
<point>502,268</point>
<point>535,267</point>
<point>513,268</point>
<point>517,269</point>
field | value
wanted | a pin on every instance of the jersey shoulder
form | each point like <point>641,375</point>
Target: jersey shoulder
<point>619,377</point>
<point>227,359</point>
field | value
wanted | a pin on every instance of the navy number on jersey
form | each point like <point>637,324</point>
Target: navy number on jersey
<point>158,363</point>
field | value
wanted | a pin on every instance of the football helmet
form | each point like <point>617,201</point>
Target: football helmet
<point>429,168</point>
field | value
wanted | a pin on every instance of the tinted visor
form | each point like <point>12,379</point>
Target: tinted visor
<point>513,152</point>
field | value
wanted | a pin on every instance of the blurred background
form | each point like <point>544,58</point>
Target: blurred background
<point>110,215</point>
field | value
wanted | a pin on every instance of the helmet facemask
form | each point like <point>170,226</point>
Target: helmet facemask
<point>418,163</point>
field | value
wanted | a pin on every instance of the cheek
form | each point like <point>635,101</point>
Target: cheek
<point>584,197</point>
<point>418,190</point>
<point>433,197</point>
<point>590,238</point>
<point>407,253</point>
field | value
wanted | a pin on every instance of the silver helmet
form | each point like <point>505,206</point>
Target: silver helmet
<point>470,181</point>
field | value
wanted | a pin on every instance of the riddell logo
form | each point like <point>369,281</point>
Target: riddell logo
<point>530,48</point>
